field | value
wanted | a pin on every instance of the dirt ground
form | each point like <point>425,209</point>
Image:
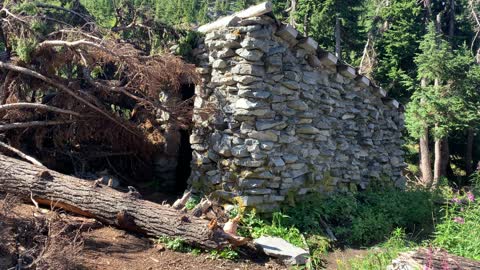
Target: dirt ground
<point>107,248</point>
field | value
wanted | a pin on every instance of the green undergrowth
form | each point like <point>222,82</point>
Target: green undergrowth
<point>360,220</point>
<point>459,228</point>
<point>179,245</point>
<point>384,223</point>
<point>379,257</point>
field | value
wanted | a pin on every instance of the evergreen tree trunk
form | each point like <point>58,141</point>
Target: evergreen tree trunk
<point>451,24</point>
<point>469,152</point>
<point>441,150</point>
<point>293,9</point>
<point>425,163</point>
<point>437,163</point>
<point>445,157</point>
<point>338,38</point>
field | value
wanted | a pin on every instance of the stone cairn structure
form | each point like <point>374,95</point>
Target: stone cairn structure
<point>278,117</point>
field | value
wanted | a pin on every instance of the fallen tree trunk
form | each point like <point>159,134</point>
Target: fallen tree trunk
<point>105,204</point>
<point>431,259</point>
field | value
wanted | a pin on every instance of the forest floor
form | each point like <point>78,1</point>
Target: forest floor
<point>108,248</point>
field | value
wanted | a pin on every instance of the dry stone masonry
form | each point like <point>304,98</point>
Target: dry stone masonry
<point>277,117</point>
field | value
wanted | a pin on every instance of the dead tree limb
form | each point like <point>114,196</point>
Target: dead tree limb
<point>180,203</point>
<point>62,87</point>
<point>33,124</point>
<point>26,105</point>
<point>106,204</point>
<point>21,154</point>
<point>77,43</point>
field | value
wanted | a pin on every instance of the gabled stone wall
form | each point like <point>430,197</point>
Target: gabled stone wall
<point>278,117</point>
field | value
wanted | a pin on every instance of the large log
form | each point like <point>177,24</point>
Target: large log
<point>105,204</point>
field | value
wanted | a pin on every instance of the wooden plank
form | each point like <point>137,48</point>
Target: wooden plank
<point>363,81</point>
<point>253,11</point>
<point>308,44</point>
<point>328,59</point>
<point>347,71</point>
<point>287,32</point>
<point>220,23</point>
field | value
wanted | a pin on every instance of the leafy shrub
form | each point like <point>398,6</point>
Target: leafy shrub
<point>23,48</point>
<point>459,230</point>
<point>365,218</point>
<point>253,226</point>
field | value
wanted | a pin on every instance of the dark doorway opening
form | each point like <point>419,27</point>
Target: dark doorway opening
<point>184,169</point>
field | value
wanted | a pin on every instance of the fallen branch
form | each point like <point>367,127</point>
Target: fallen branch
<point>21,154</point>
<point>77,43</point>
<point>329,231</point>
<point>202,207</point>
<point>76,31</point>
<point>106,204</point>
<point>180,203</point>
<point>26,105</point>
<point>33,124</point>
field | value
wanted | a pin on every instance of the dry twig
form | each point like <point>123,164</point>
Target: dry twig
<point>21,154</point>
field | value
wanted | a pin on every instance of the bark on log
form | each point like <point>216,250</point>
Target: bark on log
<point>431,259</point>
<point>105,204</point>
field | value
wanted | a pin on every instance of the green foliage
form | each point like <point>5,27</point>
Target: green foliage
<point>253,226</point>
<point>397,45</point>
<point>179,245</point>
<point>23,48</point>
<point>367,217</point>
<point>459,230</point>
<point>226,253</point>
<point>27,7</point>
<point>320,17</point>
<point>380,257</point>
<point>187,43</point>
<point>449,104</point>
<point>102,10</point>
<point>175,244</point>
<point>192,202</point>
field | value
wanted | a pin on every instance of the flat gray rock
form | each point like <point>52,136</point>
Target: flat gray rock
<point>279,248</point>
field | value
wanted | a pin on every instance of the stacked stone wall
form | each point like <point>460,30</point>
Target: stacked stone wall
<point>277,117</point>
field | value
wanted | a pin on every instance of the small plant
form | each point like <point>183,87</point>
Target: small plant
<point>459,230</point>
<point>196,251</point>
<point>175,244</point>
<point>192,202</point>
<point>226,253</point>
<point>28,8</point>
<point>253,226</point>
<point>23,48</point>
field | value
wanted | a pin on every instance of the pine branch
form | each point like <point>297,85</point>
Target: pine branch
<point>62,87</point>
